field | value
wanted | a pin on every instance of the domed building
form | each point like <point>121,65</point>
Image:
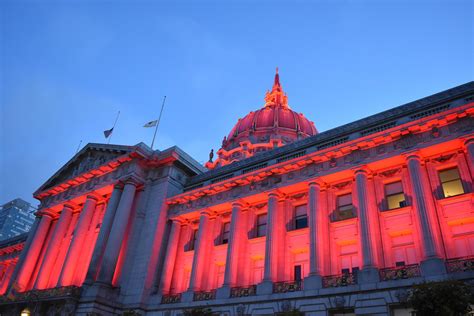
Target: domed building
<point>272,126</point>
<point>341,222</point>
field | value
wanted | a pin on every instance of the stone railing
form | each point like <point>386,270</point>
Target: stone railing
<point>402,272</point>
<point>344,279</point>
<point>289,286</point>
<point>204,296</point>
<point>171,298</point>
<point>243,291</point>
<point>460,264</point>
<point>40,295</point>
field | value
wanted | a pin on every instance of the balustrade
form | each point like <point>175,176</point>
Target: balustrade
<point>340,280</point>
<point>204,296</point>
<point>460,264</point>
<point>397,273</point>
<point>171,298</point>
<point>289,286</point>
<point>243,291</point>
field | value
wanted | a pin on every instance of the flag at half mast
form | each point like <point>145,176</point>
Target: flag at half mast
<point>151,123</point>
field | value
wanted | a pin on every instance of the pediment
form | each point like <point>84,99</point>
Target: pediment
<point>91,157</point>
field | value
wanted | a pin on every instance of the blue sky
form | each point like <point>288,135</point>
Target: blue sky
<point>67,67</point>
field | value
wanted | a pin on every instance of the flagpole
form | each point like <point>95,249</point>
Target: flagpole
<point>113,127</point>
<point>158,123</point>
<point>79,146</point>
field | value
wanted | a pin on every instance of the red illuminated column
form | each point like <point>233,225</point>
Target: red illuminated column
<point>237,234</point>
<point>423,198</point>
<point>470,154</point>
<point>6,277</point>
<point>199,252</point>
<point>316,245</point>
<point>270,269</point>
<point>75,249</point>
<point>369,271</point>
<point>104,232</point>
<point>170,257</point>
<point>53,247</point>
<point>117,232</point>
<point>31,258</point>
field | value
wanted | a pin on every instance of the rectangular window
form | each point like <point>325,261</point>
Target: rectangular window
<point>261,225</point>
<point>394,195</point>
<point>451,182</point>
<point>192,242</point>
<point>297,272</point>
<point>344,206</point>
<point>301,216</point>
<point>225,233</point>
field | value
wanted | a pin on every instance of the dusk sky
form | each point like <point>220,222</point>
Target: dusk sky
<point>68,67</point>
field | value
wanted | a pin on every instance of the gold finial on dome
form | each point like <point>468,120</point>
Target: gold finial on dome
<point>276,97</point>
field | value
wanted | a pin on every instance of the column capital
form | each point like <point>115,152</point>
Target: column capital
<point>318,184</point>
<point>362,170</point>
<point>118,186</point>
<point>46,213</point>
<point>178,220</point>
<point>206,212</point>
<point>132,180</point>
<point>469,141</point>
<point>71,206</point>
<point>93,196</point>
<point>413,155</point>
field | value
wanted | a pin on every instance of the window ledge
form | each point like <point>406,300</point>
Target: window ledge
<point>256,240</point>
<point>299,231</point>
<point>456,198</point>
<point>396,210</point>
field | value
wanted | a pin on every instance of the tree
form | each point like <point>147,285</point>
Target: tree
<point>445,298</point>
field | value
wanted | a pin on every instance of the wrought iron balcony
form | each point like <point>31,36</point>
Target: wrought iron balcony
<point>171,298</point>
<point>344,279</point>
<point>243,291</point>
<point>402,272</point>
<point>40,295</point>
<point>460,264</point>
<point>288,286</point>
<point>204,296</point>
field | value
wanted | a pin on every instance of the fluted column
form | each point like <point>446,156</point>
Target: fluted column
<point>117,233</point>
<point>368,259</point>
<point>316,247</point>
<point>270,268</point>
<point>75,249</point>
<point>423,199</point>
<point>53,247</point>
<point>104,232</point>
<point>31,258</point>
<point>170,257</point>
<point>237,234</point>
<point>6,277</point>
<point>470,154</point>
<point>200,252</point>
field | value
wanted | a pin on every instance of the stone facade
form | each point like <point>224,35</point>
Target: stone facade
<point>342,221</point>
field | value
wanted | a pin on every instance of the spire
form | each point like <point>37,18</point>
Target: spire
<point>276,82</point>
<point>276,97</point>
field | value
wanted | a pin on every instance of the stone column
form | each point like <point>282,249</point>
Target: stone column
<point>200,252</point>
<point>237,234</point>
<point>369,272</point>
<point>6,278</point>
<point>104,232</point>
<point>75,249</point>
<point>170,257</point>
<point>114,242</point>
<point>423,198</point>
<point>469,144</point>
<point>31,258</point>
<point>314,281</point>
<point>53,247</point>
<point>270,269</point>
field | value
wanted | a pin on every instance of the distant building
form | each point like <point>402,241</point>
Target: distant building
<point>16,217</point>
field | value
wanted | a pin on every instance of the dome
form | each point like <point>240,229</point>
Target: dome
<point>272,126</point>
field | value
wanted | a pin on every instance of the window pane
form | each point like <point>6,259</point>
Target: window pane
<point>396,201</point>
<point>227,227</point>
<point>393,188</point>
<point>300,210</point>
<point>301,222</point>
<point>449,174</point>
<point>262,219</point>
<point>297,273</point>
<point>345,199</point>
<point>452,188</point>
<point>261,230</point>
